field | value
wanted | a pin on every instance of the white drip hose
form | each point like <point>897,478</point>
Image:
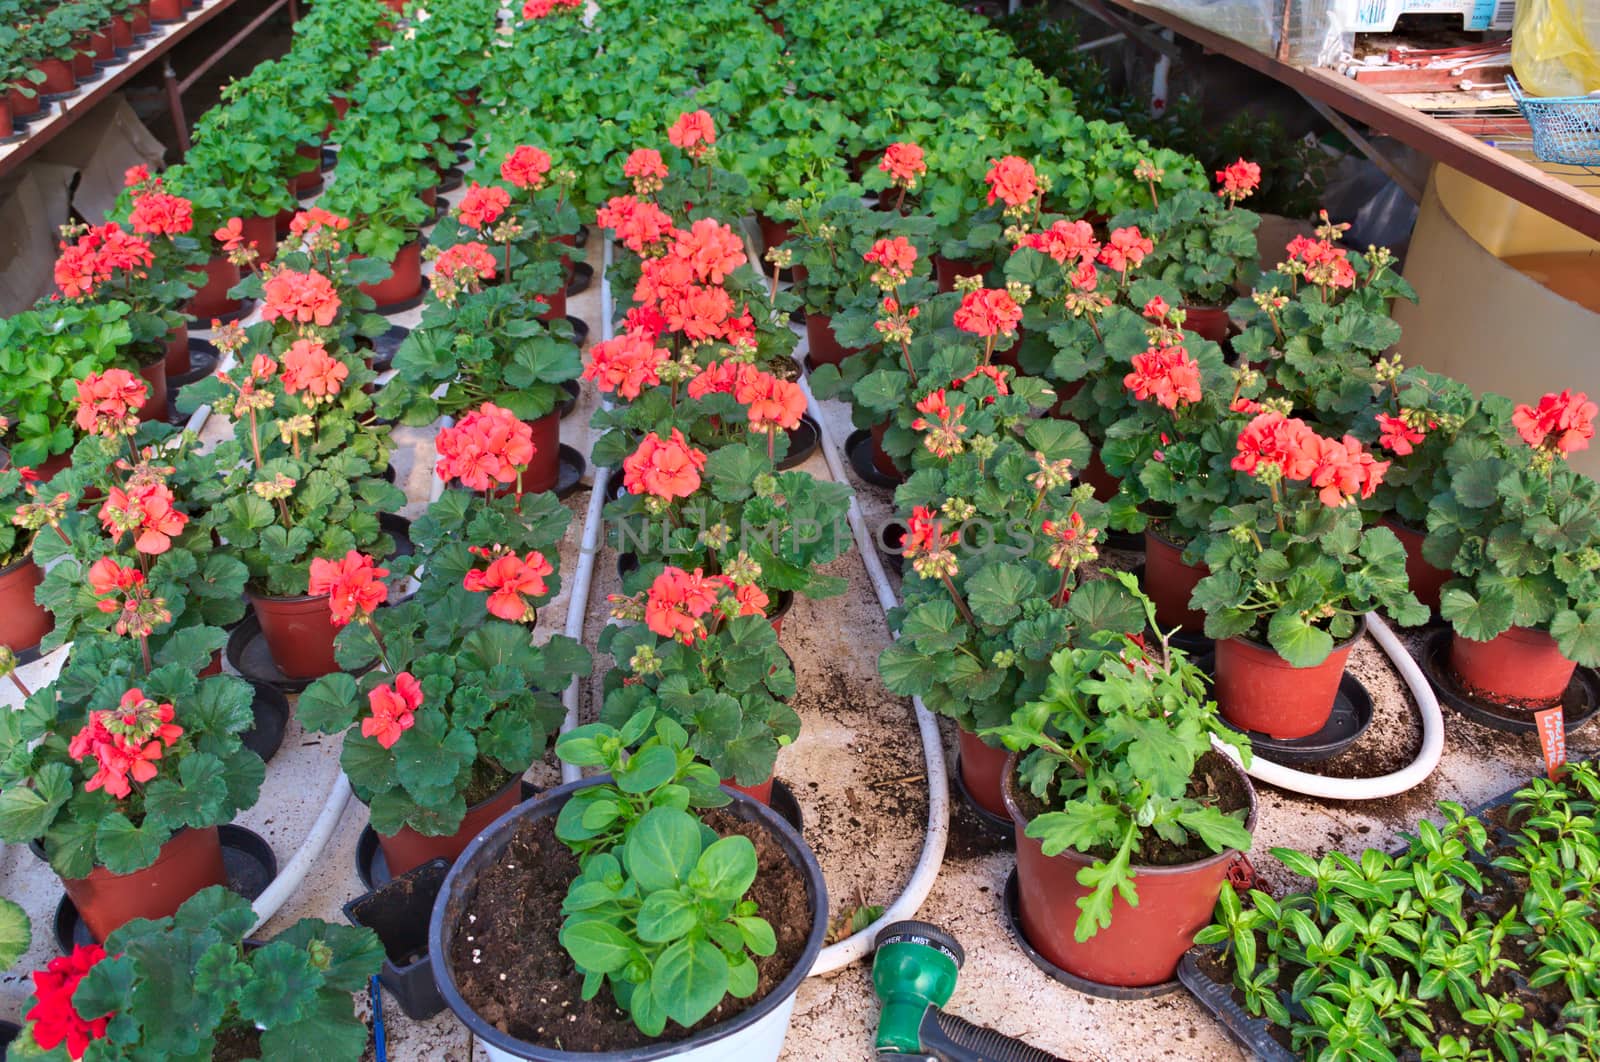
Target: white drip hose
<point>1383,785</point>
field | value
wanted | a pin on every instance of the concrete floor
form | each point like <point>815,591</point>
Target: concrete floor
<point>857,770</point>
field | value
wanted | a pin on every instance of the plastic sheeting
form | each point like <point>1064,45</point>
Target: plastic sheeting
<point>1555,47</point>
<point>1319,30</point>
<point>35,206</point>
<point>101,146</point>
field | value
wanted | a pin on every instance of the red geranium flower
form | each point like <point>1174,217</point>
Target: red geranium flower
<point>1166,374</point>
<point>482,205</point>
<point>1238,180</point>
<point>160,214</point>
<point>1064,241</point>
<point>486,447</point>
<point>694,132</point>
<point>769,401</point>
<point>311,219</point>
<point>1011,179</point>
<point>904,163</point>
<point>231,235</point>
<point>676,601</point>
<point>146,511</point>
<point>626,364</point>
<point>988,312</point>
<point>394,709</point>
<point>125,742</point>
<point>711,249</point>
<point>1343,470</point>
<point>300,298</point>
<point>465,263</point>
<point>309,368</point>
<point>639,224</point>
<point>1396,435</point>
<point>354,583</point>
<point>1272,438</point>
<point>109,402</point>
<point>134,176</point>
<point>526,167</point>
<point>663,468</point>
<point>926,534</point>
<point>645,169</point>
<point>1124,249</point>
<point>895,260</point>
<point>54,1019</point>
<point>508,580</point>
<point>1562,422</point>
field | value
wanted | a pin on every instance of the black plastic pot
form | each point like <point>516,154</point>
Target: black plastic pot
<point>486,850</point>
<point>398,912</point>
<point>9,1031</point>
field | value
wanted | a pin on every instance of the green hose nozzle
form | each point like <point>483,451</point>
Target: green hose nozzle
<point>915,968</point>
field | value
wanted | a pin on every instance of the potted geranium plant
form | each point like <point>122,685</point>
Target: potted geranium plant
<point>702,656</point>
<point>1520,530</point>
<point>284,997</point>
<point>168,280</point>
<point>1122,807</point>
<point>1293,574</point>
<point>23,621</point>
<point>750,900</point>
<point>437,738</point>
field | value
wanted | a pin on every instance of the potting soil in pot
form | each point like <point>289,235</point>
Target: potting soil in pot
<point>510,967</point>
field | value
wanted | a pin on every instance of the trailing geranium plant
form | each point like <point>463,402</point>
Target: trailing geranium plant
<point>1111,748</point>
<point>1521,531</point>
<point>702,653</point>
<point>1292,566</point>
<point>288,997</point>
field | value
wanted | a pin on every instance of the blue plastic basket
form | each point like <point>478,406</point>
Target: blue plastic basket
<point>1565,128</point>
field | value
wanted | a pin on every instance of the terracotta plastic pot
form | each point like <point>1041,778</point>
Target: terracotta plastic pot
<point>408,848</point>
<point>155,407</point>
<point>189,862</point>
<point>1521,667</point>
<point>557,303</point>
<point>1208,322</point>
<point>397,6</point>
<point>823,346</point>
<point>429,197</point>
<point>48,468</point>
<point>281,223</point>
<point>166,10</point>
<point>781,603</point>
<point>103,47</point>
<point>83,61</point>
<point>121,32</point>
<point>23,621</point>
<point>178,351</point>
<point>1259,690</point>
<point>983,772</point>
<point>6,126</point>
<point>58,77</point>
<point>881,460</point>
<point>341,106</point>
<point>761,792</point>
<point>212,298</point>
<point>545,469</point>
<point>299,633</point>
<point>302,184</point>
<point>404,283</point>
<point>139,17</point>
<point>1426,580</point>
<point>1143,944</point>
<point>1169,583</point>
<point>947,269</point>
<point>773,232</point>
<point>263,232</point>
<point>24,105</point>
<point>1104,483</point>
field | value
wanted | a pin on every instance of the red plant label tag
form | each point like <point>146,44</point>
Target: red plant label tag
<point>1552,726</point>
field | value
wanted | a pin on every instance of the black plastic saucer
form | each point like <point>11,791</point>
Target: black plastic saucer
<point>246,308</point>
<point>313,190</point>
<point>797,318</point>
<point>1000,825</point>
<point>890,539</point>
<point>1583,693</point>
<point>371,866</point>
<point>203,358</point>
<point>582,277</point>
<point>580,329</point>
<point>858,448</point>
<point>1072,981</point>
<point>271,708</point>
<point>246,857</point>
<point>330,158</point>
<point>1352,715</point>
<point>385,346</point>
<point>573,466</point>
<point>248,653</point>
<point>404,304</point>
<point>787,807</point>
<point>803,442</point>
<point>451,179</point>
<point>568,404</point>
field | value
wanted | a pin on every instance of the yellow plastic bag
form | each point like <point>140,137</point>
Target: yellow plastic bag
<point>1555,46</point>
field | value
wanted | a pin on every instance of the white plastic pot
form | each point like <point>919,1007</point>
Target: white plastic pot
<point>755,1035</point>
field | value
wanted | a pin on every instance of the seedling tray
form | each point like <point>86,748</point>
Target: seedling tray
<point>398,912</point>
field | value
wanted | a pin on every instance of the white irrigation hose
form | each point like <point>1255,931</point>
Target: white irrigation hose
<point>589,549</point>
<point>858,945</point>
<point>292,876</point>
<point>1381,785</point>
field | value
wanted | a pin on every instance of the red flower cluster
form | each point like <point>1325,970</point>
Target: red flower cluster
<point>1012,180</point>
<point>904,163</point>
<point>694,132</point>
<point>145,509</point>
<point>109,402</point>
<point>354,584</point>
<point>1561,422</point>
<point>526,167</point>
<point>1238,181</point>
<point>309,368</point>
<point>1125,249</point>
<point>125,742</point>
<point>770,402</point>
<point>677,600</point>
<point>645,169</point>
<point>465,263</point>
<point>97,256</point>
<point>486,447</point>
<point>626,364</point>
<point>683,285</point>
<point>540,8</point>
<point>663,468</point>
<point>482,205</point>
<point>926,534</point>
<point>106,576</point>
<point>509,580</point>
<point>895,260</point>
<point>1339,468</point>
<point>156,213</point>
<point>1166,374</point>
<point>711,249</point>
<point>639,224</point>
<point>1396,435</point>
<point>300,298</point>
<point>718,378</point>
<point>231,235</point>
<point>313,219</point>
<point>1064,241</point>
<point>55,1020</point>
<point>988,312</point>
<point>1323,264</point>
<point>394,709</point>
